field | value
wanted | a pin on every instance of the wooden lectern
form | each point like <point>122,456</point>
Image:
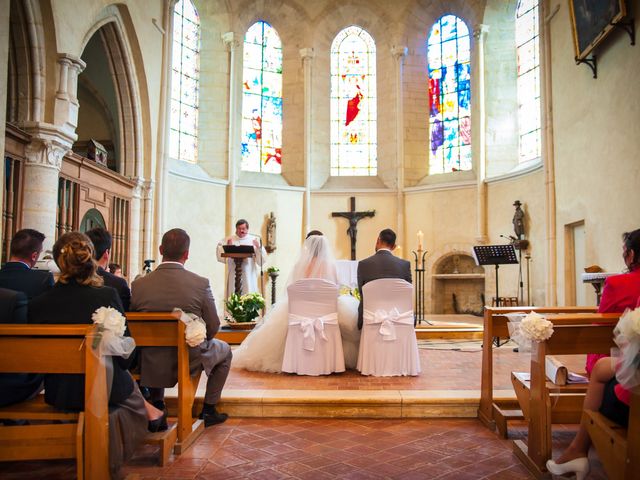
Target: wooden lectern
<point>238,253</point>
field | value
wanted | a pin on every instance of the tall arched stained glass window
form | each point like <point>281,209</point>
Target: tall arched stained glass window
<point>262,100</point>
<point>353,103</point>
<point>528,52</point>
<point>183,139</point>
<point>448,52</point>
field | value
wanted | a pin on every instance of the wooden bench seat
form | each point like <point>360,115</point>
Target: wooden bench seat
<point>573,334</point>
<point>618,451</point>
<point>496,414</point>
<point>164,329</point>
<point>56,349</point>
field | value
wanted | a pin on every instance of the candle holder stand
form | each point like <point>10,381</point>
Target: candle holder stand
<point>419,286</point>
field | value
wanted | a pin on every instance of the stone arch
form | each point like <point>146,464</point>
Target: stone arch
<point>26,79</point>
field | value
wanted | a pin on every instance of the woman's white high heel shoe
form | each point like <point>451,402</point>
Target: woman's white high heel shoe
<point>579,466</point>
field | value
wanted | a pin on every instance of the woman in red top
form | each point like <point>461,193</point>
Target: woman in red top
<point>604,393</point>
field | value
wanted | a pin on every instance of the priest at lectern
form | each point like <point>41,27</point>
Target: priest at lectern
<point>249,265</point>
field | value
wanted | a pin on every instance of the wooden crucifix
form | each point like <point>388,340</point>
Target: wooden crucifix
<point>353,217</point>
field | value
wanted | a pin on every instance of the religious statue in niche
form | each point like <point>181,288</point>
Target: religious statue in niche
<point>271,233</point>
<point>518,220</point>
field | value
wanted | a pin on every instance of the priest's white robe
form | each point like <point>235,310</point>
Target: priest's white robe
<point>250,266</point>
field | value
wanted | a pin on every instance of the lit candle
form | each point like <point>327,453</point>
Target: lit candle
<point>420,238</point>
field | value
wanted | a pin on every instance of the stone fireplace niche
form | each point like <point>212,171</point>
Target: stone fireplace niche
<point>458,285</point>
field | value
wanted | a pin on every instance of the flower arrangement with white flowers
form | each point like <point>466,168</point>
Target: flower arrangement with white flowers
<point>244,308</point>
<point>111,326</point>
<point>195,329</point>
<point>627,358</point>
<point>536,328</point>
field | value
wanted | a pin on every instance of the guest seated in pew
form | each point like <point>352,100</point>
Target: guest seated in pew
<point>102,241</point>
<point>621,291</point>
<point>608,392</point>
<point>171,286</point>
<point>78,293</point>
<point>16,387</point>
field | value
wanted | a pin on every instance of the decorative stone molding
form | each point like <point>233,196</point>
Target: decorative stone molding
<point>138,187</point>
<point>48,145</point>
<point>70,67</point>
<point>480,31</point>
<point>230,41</point>
<point>148,189</point>
<point>307,53</point>
<point>399,51</point>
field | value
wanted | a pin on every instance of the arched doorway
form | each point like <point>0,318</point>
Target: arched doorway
<point>458,285</point>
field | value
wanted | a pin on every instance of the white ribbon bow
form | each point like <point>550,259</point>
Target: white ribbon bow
<point>387,321</point>
<point>310,325</point>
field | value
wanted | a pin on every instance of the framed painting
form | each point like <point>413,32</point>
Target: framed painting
<point>592,21</point>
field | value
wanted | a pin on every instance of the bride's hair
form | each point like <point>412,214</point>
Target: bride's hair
<point>315,260</point>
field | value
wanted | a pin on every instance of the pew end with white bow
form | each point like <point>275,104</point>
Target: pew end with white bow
<point>388,345</point>
<point>314,343</point>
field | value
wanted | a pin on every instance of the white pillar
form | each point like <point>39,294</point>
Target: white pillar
<point>66,103</point>
<point>551,287</point>
<point>479,34</point>
<point>399,52</point>
<point>234,98</point>
<point>148,219</point>
<point>307,55</point>
<point>42,168</point>
<point>135,253</point>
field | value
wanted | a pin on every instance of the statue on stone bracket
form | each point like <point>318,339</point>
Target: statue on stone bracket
<point>270,245</point>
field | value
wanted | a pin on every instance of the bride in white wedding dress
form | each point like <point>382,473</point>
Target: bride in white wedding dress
<point>263,349</point>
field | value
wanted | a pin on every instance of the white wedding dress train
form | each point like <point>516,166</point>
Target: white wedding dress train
<point>263,349</point>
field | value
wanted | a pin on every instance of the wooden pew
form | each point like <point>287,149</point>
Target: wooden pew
<point>618,451</point>
<point>496,414</point>
<point>164,329</point>
<point>56,349</point>
<point>573,334</point>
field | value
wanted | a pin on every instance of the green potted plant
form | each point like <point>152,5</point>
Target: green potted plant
<point>244,309</point>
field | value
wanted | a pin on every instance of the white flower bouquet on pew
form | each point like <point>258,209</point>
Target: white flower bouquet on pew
<point>110,338</point>
<point>627,357</point>
<point>195,329</point>
<point>524,330</point>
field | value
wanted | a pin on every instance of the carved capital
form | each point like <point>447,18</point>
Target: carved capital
<point>148,189</point>
<point>138,188</point>
<point>45,153</point>
<point>229,39</point>
<point>399,51</point>
<point>480,31</point>
<point>307,53</point>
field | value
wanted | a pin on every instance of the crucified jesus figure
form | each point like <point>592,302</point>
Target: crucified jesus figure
<point>353,217</point>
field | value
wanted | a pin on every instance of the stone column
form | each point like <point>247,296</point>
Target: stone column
<point>551,287</point>
<point>399,52</point>
<point>148,219</point>
<point>41,172</point>
<point>66,103</point>
<point>4,62</point>
<point>135,253</point>
<point>307,55</point>
<point>480,143</point>
<point>234,101</point>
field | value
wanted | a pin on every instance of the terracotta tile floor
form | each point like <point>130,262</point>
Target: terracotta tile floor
<point>441,370</point>
<point>325,449</point>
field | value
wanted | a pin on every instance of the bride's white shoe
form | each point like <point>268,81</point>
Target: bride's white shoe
<point>579,466</point>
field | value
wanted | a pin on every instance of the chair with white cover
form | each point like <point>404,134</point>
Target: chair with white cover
<point>388,345</point>
<point>314,344</point>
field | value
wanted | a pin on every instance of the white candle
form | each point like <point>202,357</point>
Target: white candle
<point>420,238</point>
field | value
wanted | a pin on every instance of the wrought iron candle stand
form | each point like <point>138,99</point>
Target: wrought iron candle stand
<point>419,310</point>
<point>273,276</point>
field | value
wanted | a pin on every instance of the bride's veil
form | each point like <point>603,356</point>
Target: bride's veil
<point>315,260</point>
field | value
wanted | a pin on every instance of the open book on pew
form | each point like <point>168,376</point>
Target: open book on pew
<point>557,373</point>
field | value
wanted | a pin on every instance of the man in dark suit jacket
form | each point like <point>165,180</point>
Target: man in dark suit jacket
<point>171,286</point>
<point>16,387</point>
<point>383,264</point>
<point>102,242</point>
<point>18,274</point>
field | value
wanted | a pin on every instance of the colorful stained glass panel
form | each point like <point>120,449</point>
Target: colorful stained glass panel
<point>353,104</point>
<point>183,114</point>
<point>528,70</point>
<point>448,51</point>
<point>261,148</point>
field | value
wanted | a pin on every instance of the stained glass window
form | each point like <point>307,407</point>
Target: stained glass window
<point>448,52</point>
<point>183,136</point>
<point>528,53</point>
<point>262,100</point>
<point>353,103</point>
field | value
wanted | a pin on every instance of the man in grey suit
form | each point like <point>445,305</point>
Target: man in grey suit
<point>171,286</point>
<point>383,264</point>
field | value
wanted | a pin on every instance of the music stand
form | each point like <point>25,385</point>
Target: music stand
<point>495,255</point>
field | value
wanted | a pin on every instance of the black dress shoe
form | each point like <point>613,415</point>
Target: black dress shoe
<point>213,418</point>
<point>159,424</point>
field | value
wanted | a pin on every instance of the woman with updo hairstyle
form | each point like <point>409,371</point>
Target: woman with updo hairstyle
<point>78,293</point>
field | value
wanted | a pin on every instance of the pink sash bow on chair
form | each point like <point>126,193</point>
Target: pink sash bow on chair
<point>388,321</point>
<point>310,325</point>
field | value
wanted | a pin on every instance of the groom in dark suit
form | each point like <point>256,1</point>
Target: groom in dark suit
<point>171,286</point>
<point>383,264</point>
